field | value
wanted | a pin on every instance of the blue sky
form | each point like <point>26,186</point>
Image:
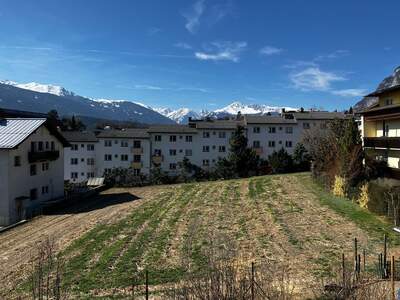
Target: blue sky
<point>203,53</point>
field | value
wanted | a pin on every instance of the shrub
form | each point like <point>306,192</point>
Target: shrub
<point>339,187</point>
<point>280,162</point>
<point>363,199</point>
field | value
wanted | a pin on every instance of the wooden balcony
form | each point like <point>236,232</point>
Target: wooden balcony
<point>137,165</point>
<point>157,159</point>
<point>393,173</point>
<point>137,151</point>
<point>36,156</point>
<point>258,150</point>
<point>382,142</point>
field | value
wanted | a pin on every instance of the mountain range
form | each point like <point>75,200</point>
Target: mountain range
<point>42,98</point>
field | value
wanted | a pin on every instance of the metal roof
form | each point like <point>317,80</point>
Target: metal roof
<point>318,115</point>
<point>171,129</point>
<point>265,119</point>
<point>79,136</point>
<point>218,124</point>
<point>13,131</point>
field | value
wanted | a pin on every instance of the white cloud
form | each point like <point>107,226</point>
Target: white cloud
<point>314,79</point>
<point>350,92</point>
<point>147,87</point>
<point>183,45</point>
<point>223,51</point>
<point>300,64</point>
<point>153,30</point>
<point>193,16</point>
<point>270,50</point>
<point>161,88</point>
<point>333,55</point>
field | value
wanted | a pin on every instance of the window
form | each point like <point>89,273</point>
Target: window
<point>256,144</point>
<point>107,157</point>
<point>188,152</point>
<point>221,149</point>
<point>137,144</point>
<point>82,159</point>
<point>389,101</point>
<point>289,130</point>
<point>306,125</point>
<point>74,175</point>
<point>288,144</point>
<point>90,161</point>
<point>33,194</point>
<point>116,155</point>
<point>124,157</point>
<point>172,166</point>
<point>107,143</point>
<point>157,151</point>
<point>116,142</point>
<point>271,144</point>
<point>40,146</point>
<point>90,174</point>
<point>45,166</point>
<point>222,135</point>
<point>172,152</point>
<point>33,146</point>
<point>157,138</point>
<point>124,143</point>
<point>206,134</point>
<point>256,129</point>
<point>136,172</point>
<point>45,189</point>
<point>17,161</point>
<point>323,125</point>
<point>136,158</point>
<point>206,148</point>
<point>206,162</point>
<point>189,138</point>
<point>172,138</point>
<point>271,129</point>
<point>90,147</point>
<point>74,161</point>
<point>74,147</point>
<point>32,170</point>
<point>52,146</point>
<point>47,145</point>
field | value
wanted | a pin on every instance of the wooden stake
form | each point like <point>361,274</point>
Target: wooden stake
<point>392,279</point>
<point>147,285</point>
<point>364,259</point>
<point>252,281</point>
<point>343,270</point>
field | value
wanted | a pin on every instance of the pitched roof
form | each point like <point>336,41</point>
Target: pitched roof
<point>171,129</point>
<point>79,136</point>
<point>218,124</point>
<point>129,133</point>
<point>319,115</point>
<point>13,131</point>
<point>265,119</point>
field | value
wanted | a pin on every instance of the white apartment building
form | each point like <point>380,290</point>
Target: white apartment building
<point>127,148</point>
<point>80,157</point>
<point>31,166</point>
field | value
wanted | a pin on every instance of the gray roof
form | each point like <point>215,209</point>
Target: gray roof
<point>171,129</point>
<point>265,119</point>
<point>79,136</point>
<point>218,124</point>
<point>129,133</point>
<point>13,131</point>
<point>319,115</point>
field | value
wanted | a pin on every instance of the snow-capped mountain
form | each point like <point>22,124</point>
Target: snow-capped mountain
<point>182,115</point>
<point>40,88</point>
<point>43,98</point>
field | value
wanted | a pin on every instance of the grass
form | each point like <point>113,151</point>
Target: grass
<point>260,217</point>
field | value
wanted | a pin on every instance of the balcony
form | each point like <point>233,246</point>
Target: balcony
<point>258,150</point>
<point>382,142</point>
<point>136,165</point>
<point>137,151</point>
<point>35,156</point>
<point>157,159</point>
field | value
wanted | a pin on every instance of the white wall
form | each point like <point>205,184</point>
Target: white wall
<point>82,168</point>
<point>4,177</point>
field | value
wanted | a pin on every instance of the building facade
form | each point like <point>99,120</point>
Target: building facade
<point>31,166</point>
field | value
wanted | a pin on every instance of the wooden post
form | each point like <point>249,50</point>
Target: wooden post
<point>343,271</point>
<point>364,259</point>
<point>392,279</point>
<point>385,262</point>
<point>355,254</point>
<point>252,281</point>
<point>147,285</point>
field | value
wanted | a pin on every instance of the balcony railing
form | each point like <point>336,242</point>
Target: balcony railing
<point>136,165</point>
<point>137,151</point>
<point>157,159</point>
<point>35,156</point>
<point>382,142</point>
<point>258,150</point>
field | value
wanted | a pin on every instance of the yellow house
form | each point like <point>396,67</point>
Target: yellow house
<point>380,124</point>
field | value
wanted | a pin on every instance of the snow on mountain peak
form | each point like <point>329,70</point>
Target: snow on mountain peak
<point>40,88</point>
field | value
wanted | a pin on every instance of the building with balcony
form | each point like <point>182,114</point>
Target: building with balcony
<point>31,166</point>
<point>380,124</point>
<point>80,158</point>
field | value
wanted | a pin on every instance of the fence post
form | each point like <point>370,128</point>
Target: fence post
<point>385,264</point>
<point>343,270</point>
<point>147,285</point>
<point>392,278</point>
<point>364,259</point>
<point>252,281</point>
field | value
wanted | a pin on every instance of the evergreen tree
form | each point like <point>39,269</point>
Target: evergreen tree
<point>301,158</point>
<point>280,161</point>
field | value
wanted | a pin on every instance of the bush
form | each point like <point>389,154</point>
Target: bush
<point>281,162</point>
<point>339,187</point>
<point>363,199</point>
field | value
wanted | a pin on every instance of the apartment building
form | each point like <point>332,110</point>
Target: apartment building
<point>80,157</point>
<point>380,125</point>
<point>127,148</point>
<point>31,166</point>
